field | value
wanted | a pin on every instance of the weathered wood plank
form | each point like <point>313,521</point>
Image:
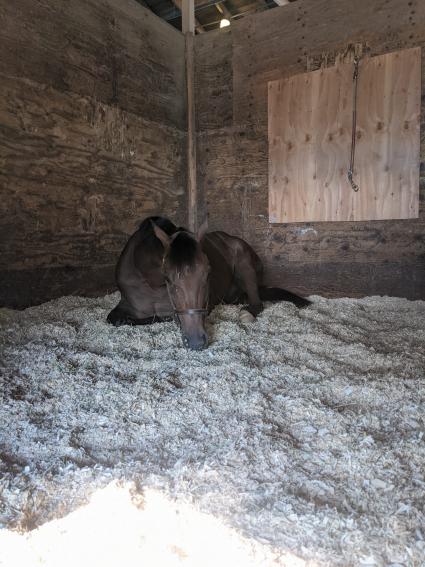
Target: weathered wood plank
<point>115,52</point>
<point>213,79</point>
<point>77,171</point>
<point>22,288</point>
<point>399,278</point>
<point>92,139</point>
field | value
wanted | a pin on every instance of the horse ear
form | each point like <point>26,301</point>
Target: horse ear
<point>202,230</point>
<point>163,236</point>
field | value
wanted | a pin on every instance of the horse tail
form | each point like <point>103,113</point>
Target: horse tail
<point>278,294</point>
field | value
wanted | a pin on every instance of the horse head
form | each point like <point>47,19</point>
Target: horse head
<point>186,271</point>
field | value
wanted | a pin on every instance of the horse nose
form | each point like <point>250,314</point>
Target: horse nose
<point>197,343</point>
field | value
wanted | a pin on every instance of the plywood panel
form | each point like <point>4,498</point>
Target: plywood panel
<point>310,139</point>
<point>387,155</point>
<point>115,52</point>
<point>92,140</point>
<point>77,176</point>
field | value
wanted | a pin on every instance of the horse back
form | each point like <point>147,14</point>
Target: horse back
<point>234,249</point>
<point>225,253</point>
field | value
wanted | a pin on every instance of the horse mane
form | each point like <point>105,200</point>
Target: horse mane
<point>147,235</point>
<point>183,250</point>
<point>167,226</point>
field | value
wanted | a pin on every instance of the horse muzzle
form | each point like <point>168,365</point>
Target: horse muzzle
<point>194,336</point>
<point>197,342</point>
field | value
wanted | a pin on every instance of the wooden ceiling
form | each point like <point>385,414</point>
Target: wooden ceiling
<point>209,13</point>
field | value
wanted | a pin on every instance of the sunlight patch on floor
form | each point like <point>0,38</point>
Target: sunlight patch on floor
<point>118,528</point>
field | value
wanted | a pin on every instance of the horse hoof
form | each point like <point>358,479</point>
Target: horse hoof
<point>246,317</point>
<point>117,321</point>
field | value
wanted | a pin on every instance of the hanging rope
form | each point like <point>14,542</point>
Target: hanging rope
<point>354,186</point>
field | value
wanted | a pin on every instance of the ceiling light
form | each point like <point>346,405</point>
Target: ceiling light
<point>224,23</point>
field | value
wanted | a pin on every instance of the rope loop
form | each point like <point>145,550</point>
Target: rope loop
<point>350,171</point>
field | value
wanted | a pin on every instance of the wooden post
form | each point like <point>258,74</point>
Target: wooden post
<point>198,26</point>
<point>191,137</point>
<point>188,16</point>
<point>188,28</point>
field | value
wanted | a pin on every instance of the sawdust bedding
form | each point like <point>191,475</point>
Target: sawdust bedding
<point>303,431</point>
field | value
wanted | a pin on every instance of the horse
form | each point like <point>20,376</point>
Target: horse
<point>166,272</point>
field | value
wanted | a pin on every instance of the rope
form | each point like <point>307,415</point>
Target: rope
<point>354,186</point>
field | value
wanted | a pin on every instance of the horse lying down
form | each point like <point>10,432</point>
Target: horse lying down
<point>165,272</point>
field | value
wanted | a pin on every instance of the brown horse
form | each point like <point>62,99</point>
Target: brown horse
<point>165,272</point>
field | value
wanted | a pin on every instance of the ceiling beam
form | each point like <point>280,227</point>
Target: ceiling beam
<point>221,7</point>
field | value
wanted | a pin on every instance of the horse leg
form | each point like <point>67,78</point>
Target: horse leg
<point>117,317</point>
<point>247,277</point>
<point>122,314</point>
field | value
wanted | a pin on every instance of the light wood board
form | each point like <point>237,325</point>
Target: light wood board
<point>309,128</point>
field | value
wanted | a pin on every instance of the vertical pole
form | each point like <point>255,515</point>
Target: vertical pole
<point>188,16</point>
<point>188,28</point>
<point>191,137</point>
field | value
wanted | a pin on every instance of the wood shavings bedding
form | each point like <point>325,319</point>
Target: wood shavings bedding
<point>303,431</point>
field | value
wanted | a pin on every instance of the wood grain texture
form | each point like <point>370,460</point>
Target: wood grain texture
<point>338,258</point>
<point>334,259</point>
<point>237,202</point>
<point>81,171</point>
<point>79,168</point>
<point>388,133</point>
<point>310,126</point>
<point>115,52</point>
<point>309,147</point>
<point>213,80</point>
<point>309,34</point>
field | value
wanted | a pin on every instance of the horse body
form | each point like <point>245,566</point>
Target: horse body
<point>166,272</point>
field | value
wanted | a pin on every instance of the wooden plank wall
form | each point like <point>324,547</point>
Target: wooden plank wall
<point>92,139</point>
<point>233,67</point>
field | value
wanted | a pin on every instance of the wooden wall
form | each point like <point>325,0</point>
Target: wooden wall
<point>92,139</point>
<point>233,67</point>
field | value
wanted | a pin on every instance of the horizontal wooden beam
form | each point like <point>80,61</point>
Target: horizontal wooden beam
<point>222,8</point>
